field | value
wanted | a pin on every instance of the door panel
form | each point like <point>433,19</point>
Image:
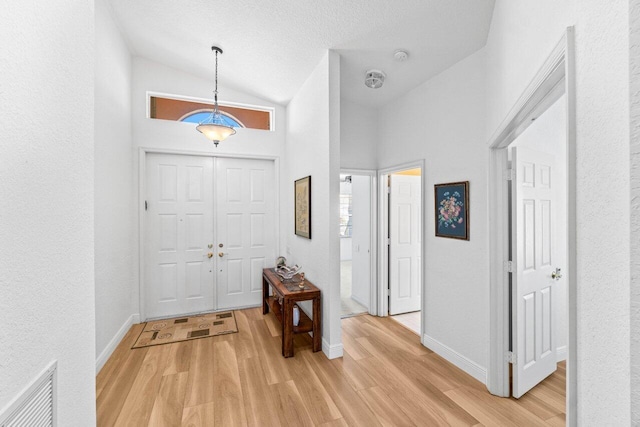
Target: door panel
<point>405,244</point>
<point>534,253</point>
<point>258,225</point>
<point>245,227</point>
<point>178,228</point>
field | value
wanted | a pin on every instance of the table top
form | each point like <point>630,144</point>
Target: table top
<point>291,286</point>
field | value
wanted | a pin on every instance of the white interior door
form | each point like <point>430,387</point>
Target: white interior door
<point>534,252</point>
<point>178,228</point>
<point>405,239</point>
<point>245,229</point>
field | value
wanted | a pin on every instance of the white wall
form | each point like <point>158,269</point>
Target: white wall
<point>549,135</point>
<point>176,136</point>
<point>114,188</point>
<point>358,136</point>
<point>47,309</point>
<point>313,148</point>
<point>361,242</point>
<point>521,37</point>
<point>603,256</point>
<point>442,121</point>
<point>634,79</point>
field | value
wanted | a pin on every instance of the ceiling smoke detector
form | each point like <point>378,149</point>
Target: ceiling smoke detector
<point>401,55</point>
<point>374,79</point>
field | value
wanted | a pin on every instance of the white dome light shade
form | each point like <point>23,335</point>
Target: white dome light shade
<point>215,132</point>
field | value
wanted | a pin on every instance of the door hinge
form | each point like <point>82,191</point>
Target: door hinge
<point>145,205</point>
<point>388,241</point>
<point>388,190</point>
<point>508,266</point>
<point>510,357</point>
<point>510,175</point>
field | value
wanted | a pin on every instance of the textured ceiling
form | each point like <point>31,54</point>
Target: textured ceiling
<point>272,46</point>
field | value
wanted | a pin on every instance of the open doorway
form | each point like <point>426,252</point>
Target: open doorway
<point>539,252</point>
<point>356,278</point>
<point>402,224</point>
<point>555,80</point>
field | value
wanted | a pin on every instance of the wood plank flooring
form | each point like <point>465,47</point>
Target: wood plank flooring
<point>386,378</point>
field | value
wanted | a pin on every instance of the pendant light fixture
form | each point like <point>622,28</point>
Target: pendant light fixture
<point>214,127</point>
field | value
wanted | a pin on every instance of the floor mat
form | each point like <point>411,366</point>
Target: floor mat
<point>185,328</point>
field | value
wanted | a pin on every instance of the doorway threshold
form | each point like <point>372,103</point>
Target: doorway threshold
<point>410,321</point>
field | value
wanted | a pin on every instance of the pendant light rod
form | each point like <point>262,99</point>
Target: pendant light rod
<point>217,50</point>
<point>214,127</point>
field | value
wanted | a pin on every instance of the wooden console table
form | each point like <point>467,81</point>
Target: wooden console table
<point>285,296</point>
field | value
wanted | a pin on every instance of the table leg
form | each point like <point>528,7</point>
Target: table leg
<point>265,296</point>
<point>317,321</point>
<point>287,328</point>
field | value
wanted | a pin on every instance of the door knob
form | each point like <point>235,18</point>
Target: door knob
<point>210,255</point>
<point>557,274</point>
<point>220,254</point>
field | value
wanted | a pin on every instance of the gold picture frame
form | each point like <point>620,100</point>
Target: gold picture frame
<point>302,206</point>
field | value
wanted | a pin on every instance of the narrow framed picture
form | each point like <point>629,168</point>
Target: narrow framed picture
<point>452,210</point>
<point>302,202</point>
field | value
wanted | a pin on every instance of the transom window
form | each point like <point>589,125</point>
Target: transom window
<point>195,112</point>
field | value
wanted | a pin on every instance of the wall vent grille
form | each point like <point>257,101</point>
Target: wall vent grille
<point>35,406</point>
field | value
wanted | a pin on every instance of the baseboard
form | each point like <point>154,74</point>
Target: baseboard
<point>452,356</point>
<point>106,353</point>
<point>332,351</point>
<point>561,353</point>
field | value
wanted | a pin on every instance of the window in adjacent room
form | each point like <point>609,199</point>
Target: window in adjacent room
<point>346,225</point>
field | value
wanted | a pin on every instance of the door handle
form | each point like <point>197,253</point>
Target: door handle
<point>556,274</point>
<point>210,255</point>
<point>220,254</point>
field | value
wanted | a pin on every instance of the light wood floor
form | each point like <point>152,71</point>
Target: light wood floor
<point>386,378</point>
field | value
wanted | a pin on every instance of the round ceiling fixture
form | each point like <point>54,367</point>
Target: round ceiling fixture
<point>374,79</point>
<point>401,55</point>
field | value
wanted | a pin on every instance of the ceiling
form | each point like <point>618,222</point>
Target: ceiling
<point>272,46</point>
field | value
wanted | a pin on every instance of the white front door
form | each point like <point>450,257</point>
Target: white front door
<point>534,253</point>
<point>405,242</point>
<point>245,230</point>
<point>178,273</point>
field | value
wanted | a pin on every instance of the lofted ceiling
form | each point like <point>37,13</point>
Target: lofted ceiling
<point>272,46</point>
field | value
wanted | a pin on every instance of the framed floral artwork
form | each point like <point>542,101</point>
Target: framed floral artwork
<point>303,207</point>
<point>452,210</point>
